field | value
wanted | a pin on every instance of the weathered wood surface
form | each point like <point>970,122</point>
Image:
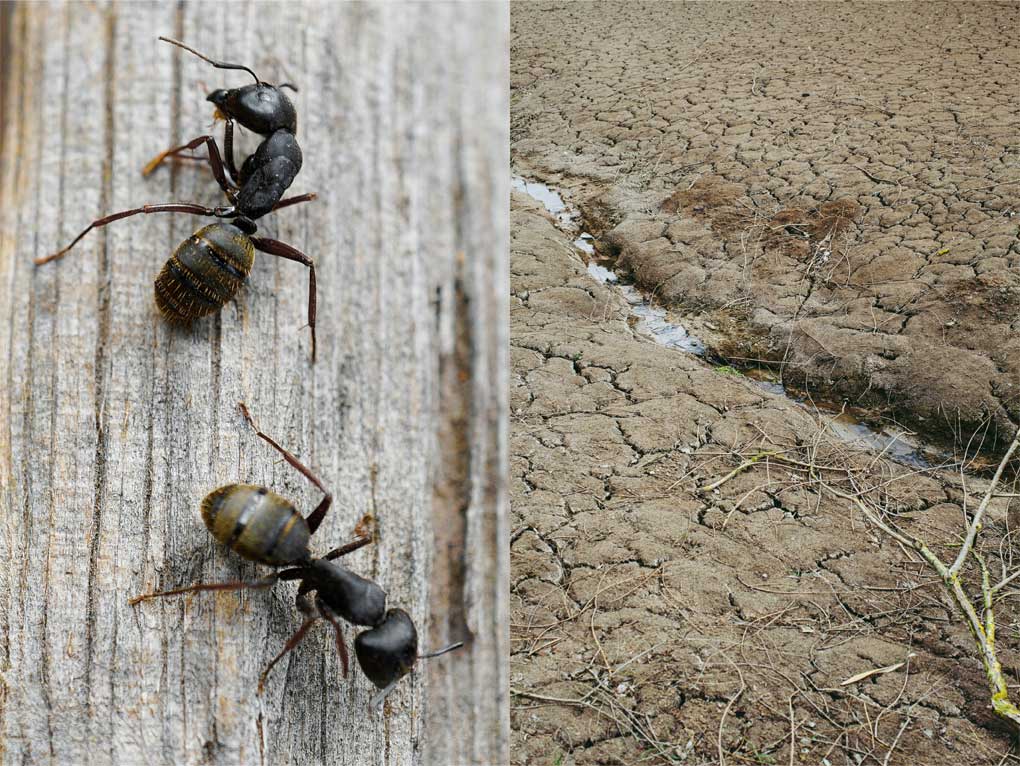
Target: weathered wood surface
<point>114,425</point>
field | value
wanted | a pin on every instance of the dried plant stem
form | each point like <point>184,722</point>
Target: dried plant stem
<point>975,525</point>
<point>739,469</point>
<point>980,619</point>
<point>981,629</point>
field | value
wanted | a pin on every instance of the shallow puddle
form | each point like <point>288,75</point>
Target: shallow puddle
<point>552,201</point>
<point>665,329</point>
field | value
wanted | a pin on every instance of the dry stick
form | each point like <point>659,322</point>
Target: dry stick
<point>733,699</point>
<point>793,729</point>
<point>891,705</point>
<point>607,708</point>
<point>636,657</point>
<point>903,727</point>
<point>1006,581</point>
<point>975,524</point>
<point>739,469</point>
<point>595,636</point>
<point>544,698</point>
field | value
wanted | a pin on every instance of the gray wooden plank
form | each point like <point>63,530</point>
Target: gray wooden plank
<point>115,425</point>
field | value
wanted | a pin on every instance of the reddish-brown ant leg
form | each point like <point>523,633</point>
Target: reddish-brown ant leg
<point>283,250</point>
<point>315,517</point>
<point>266,582</point>
<point>170,207</point>
<point>215,162</point>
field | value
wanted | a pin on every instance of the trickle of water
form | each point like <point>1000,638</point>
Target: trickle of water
<point>551,200</point>
<point>898,445</point>
<point>655,320</point>
<point>602,274</point>
<point>586,243</point>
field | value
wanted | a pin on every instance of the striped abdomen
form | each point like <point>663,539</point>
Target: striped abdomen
<point>205,271</point>
<point>256,523</point>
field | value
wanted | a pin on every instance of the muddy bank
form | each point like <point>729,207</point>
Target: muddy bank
<point>831,189</point>
<point>656,620</point>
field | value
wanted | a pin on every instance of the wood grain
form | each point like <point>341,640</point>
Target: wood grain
<point>114,425</point>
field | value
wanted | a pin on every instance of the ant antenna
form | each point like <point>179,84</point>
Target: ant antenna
<point>449,648</point>
<point>290,85</point>
<point>217,64</point>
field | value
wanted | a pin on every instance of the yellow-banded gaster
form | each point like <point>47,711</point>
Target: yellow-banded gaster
<point>205,271</point>
<point>256,523</point>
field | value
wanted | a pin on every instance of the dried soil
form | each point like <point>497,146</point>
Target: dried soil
<point>828,188</point>
<point>656,621</point>
<point>831,188</point>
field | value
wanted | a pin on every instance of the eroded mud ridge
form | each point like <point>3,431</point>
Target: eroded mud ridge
<point>668,608</point>
<point>833,189</point>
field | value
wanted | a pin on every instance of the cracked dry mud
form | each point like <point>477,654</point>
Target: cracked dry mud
<point>642,604</point>
<point>833,188</point>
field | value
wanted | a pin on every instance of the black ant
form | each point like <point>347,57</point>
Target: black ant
<point>207,269</point>
<point>262,526</point>
<point>263,109</point>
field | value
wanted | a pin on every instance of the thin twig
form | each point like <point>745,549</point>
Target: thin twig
<point>975,524</point>
<point>726,711</point>
<point>739,469</point>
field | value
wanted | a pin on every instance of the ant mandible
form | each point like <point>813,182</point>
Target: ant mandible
<point>208,268</point>
<point>260,525</point>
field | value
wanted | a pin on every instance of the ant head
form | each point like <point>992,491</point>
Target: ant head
<point>261,108</point>
<point>388,651</point>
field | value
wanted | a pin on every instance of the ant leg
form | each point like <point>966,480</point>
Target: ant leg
<point>295,200</point>
<point>283,250</point>
<point>215,162</point>
<point>266,582</point>
<point>379,698</point>
<point>310,619</point>
<point>295,463</point>
<point>228,149</point>
<point>316,516</point>
<point>341,647</point>
<point>170,207</point>
<point>346,548</point>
